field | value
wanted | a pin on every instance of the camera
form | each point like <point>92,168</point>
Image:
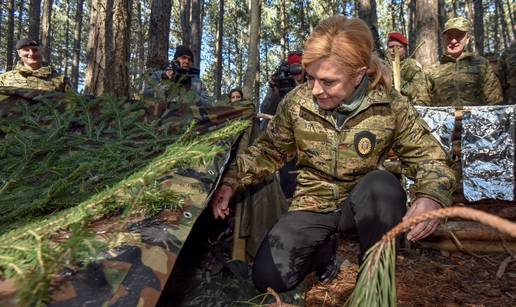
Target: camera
<point>181,76</point>
<point>283,79</point>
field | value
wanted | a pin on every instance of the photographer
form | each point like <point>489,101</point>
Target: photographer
<point>288,75</point>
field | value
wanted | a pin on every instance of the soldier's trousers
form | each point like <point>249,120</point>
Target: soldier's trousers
<point>303,241</point>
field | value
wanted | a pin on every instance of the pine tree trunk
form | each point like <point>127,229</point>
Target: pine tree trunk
<point>141,44</point>
<point>159,28</point>
<point>478,9</point>
<point>76,56</point>
<point>403,24</point>
<point>441,7</point>
<point>283,30</point>
<point>412,26</point>
<point>10,36</point>
<point>46,22</point>
<point>196,32</point>
<point>505,32</point>
<point>1,22</point>
<point>496,37</point>
<point>121,38</point>
<point>220,37</point>
<point>426,23</point>
<point>67,39</point>
<point>252,61</point>
<point>99,77</point>
<point>34,19</point>
<point>367,12</point>
<point>302,19</point>
<point>512,14</point>
<point>185,22</point>
<point>21,8</point>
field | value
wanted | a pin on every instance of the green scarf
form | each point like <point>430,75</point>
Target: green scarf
<point>346,108</point>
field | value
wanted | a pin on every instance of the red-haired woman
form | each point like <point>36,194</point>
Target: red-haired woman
<point>340,124</point>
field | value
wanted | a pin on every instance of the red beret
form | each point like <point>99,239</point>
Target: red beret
<point>396,36</point>
<point>294,58</point>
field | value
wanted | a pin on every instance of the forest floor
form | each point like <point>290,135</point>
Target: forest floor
<point>429,278</point>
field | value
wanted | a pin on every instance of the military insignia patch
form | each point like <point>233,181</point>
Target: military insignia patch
<point>365,142</point>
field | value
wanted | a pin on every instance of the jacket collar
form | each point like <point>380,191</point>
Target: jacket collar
<point>42,72</point>
<point>309,103</point>
<point>446,58</point>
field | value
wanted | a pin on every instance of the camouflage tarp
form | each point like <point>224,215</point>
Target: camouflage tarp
<point>135,272</point>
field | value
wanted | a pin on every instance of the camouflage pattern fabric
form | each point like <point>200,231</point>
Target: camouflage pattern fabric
<point>508,63</point>
<point>135,273</point>
<point>413,82</point>
<point>44,78</point>
<point>331,159</point>
<point>468,80</point>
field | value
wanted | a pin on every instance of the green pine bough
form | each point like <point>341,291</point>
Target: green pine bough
<point>376,285</point>
<point>70,163</point>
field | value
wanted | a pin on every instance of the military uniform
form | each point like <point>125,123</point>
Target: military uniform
<point>332,159</point>
<point>468,80</point>
<point>413,82</point>
<point>44,78</point>
<point>508,63</point>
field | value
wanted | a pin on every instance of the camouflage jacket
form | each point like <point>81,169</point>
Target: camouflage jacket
<point>332,159</point>
<point>468,80</point>
<point>413,82</point>
<point>44,78</point>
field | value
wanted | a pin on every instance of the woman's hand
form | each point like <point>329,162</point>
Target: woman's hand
<point>220,201</point>
<point>423,229</point>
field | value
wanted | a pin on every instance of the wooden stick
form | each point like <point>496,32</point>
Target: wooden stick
<point>396,69</point>
<point>264,116</point>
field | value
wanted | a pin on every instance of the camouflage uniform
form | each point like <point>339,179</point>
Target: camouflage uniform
<point>468,80</point>
<point>44,78</point>
<point>508,63</point>
<point>413,82</point>
<point>332,159</point>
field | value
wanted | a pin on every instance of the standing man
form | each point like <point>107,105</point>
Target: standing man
<point>30,72</point>
<point>413,79</point>
<point>462,78</point>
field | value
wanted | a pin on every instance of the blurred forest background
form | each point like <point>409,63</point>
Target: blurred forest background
<point>110,46</point>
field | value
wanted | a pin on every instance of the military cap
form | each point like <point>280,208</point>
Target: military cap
<point>25,42</point>
<point>396,36</point>
<point>459,23</point>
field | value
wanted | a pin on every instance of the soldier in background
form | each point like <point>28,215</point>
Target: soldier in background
<point>413,79</point>
<point>462,78</point>
<point>30,72</point>
<point>508,73</point>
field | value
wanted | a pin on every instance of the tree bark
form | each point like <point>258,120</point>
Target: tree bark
<point>10,37</point>
<point>283,30</point>
<point>159,28</point>
<point>426,25</point>
<point>196,32</point>
<point>252,61</point>
<point>121,37</point>
<point>46,29</point>
<point>99,61</point>
<point>412,25</point>
<point>76,56</point>
<point>220,37</point>
<point>34,19</point>
<point>141,44</point>
<point>186,30</point>
<point>67,39</point>
<point>1,20</point>
<point>478,26</point>
<point>503,20</point>
<point>512,15</point>
<point>367,12</point>
<point>21,8</point>
<point>496,37</point>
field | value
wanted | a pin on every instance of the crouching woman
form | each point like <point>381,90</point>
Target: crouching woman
<point>339,124</point>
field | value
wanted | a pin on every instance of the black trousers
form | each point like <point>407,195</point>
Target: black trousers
<point>303,241</point>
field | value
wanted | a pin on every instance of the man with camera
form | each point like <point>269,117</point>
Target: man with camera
<point>180,81</point>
